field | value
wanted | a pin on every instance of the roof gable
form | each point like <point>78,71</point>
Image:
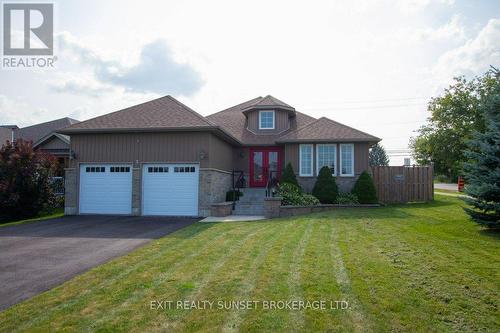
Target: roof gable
<point>268,102</point>
<point>162,113</point>
<point>52,136</point>
<point>325,129</point>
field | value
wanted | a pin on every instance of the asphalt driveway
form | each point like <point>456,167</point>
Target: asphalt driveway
<point>36,257</point>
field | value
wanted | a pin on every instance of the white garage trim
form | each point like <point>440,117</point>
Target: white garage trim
<point>105,189</point>
<point>170,189</point>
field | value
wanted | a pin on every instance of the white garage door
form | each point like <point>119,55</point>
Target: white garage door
<point>105,189</point>
<point>170,189</point>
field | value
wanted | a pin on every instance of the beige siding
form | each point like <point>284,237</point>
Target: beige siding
<point>281,122</point>
<point>241,159</point>
<point>220,155</point>
<point>360,157</point>
<point>141,147</point>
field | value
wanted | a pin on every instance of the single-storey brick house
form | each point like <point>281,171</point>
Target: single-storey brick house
<point>163,158</point>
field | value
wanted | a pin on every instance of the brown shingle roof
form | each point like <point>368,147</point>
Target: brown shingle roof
<point>38,131</point>
<point>162,113</point>
<point>325,129</point>
<point>233,120</point>
<point>268,102</point>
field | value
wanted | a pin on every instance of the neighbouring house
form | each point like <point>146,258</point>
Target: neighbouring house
<point>163,158</point>
<point>7,133</point>
<point>44,138</point>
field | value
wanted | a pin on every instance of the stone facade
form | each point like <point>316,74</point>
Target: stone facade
<point>71,192</point>
<point>136,191</point>
<point>213,187</point>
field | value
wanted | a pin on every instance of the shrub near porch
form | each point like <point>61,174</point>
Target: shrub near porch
<point>419,267</point>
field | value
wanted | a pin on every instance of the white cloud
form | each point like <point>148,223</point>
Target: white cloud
<point>412,6</point>
<point>472,58</point>
<point>16,112</point>
<point>156,70</point>
<point>452,30</point>
<point>79,84</point>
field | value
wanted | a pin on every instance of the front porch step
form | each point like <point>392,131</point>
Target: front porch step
<point>252,194</point>
<point>251,202</point>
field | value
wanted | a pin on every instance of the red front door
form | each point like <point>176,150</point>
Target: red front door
<point>262,162</point>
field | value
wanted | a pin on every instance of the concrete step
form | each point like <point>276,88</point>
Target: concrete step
<point>249,208</point>
<point>253,212</point>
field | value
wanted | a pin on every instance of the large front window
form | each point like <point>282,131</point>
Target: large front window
<point>326,155</point>
<point>266,120</point>
<point>347,159</point>
<point>306,160</point>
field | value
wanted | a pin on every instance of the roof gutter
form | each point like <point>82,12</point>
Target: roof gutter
<point>374,139</point>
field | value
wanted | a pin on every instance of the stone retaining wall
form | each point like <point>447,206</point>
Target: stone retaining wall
<point>273,208</point>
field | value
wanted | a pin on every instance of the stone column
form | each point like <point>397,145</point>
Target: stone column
<point>70,192</point>
<point>136,191</point>
<point>272,207</point>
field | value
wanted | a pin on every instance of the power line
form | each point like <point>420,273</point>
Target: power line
<point>365,107</point>
<point>378,100</point>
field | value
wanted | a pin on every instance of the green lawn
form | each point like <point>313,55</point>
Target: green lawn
<point>420,267</point>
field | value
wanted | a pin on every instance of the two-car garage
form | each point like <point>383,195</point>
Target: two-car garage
<point>167,189</point>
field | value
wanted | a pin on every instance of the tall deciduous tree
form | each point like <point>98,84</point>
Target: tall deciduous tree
<point>455,116</point>
<point>24,181</point>
<point>378,156</point>
<point>482,171</point>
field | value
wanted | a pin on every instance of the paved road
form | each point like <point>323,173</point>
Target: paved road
<point>36,257</point>
<point>443,186</point>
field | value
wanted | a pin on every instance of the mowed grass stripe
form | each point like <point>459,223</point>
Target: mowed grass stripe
<point>296,318</point>
<point>355,311</point>
<point>249,277</point>
<point>272,282</point>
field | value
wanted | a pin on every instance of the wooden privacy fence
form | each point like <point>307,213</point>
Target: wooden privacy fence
<point>400,184</point>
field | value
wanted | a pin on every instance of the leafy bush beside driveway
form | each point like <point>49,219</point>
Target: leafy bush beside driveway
<point>24,181</point>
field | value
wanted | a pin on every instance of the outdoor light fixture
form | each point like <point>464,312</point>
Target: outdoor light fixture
<point>203,155</point>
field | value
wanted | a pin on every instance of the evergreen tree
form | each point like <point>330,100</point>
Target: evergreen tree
<point>288,176</point>
<point>365,190</point>
<point>482,171</point>
<point>325,188</point>
<point>378,156</point>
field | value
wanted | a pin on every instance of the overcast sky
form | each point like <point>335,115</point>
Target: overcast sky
<point>372,65</point>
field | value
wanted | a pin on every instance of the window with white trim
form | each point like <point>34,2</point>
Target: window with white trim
<point>306,160</point>
<point>347,159</point>
<point>266,119</point>
<point>326,155</point>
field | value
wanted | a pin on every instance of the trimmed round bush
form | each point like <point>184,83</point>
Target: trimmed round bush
<point>325,188</point>
<point>364,189</point>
